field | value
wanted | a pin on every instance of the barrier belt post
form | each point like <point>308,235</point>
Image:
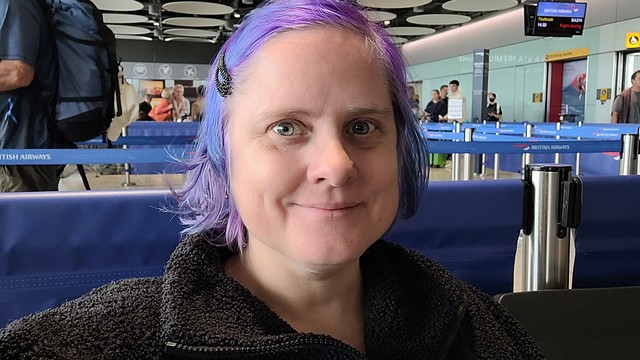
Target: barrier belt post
<point>127,167</point>
<point>629,154</point>
<point>496,158</point>
<point>578,154</point>
<point>480,166</point>
<point>551,215</point>
<point>456,158</point>
<point>556,156</point>
<point>468,160</point>
<point>527,158</point>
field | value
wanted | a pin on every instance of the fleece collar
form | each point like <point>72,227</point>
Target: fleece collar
<point>412,305</point>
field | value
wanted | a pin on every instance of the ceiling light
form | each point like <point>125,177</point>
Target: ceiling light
<point>418,9</point>
<point>154,9</point>
<point>387,22</point>
<point>236,15</point>
<point>247,2</point>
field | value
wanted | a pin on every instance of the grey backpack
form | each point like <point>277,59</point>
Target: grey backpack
<point>87,96</point>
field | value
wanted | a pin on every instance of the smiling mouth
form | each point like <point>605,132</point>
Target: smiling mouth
<point>331,209</point>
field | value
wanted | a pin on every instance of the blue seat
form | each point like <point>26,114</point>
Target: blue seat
<point>608,239</point>
<point>470,227</point>
<point>56,246</point>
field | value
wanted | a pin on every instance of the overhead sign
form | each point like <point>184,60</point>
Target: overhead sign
<point>567,54</point>
<point>633,40</point>
<point>163,71</point>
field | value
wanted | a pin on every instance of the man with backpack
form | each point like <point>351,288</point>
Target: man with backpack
<point>27,85</point>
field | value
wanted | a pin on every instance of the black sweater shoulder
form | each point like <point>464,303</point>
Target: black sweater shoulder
<point>114,321</point>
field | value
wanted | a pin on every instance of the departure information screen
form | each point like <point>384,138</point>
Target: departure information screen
<point>559,18</point>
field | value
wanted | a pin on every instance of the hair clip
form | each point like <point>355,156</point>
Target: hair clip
<point>223,85</point>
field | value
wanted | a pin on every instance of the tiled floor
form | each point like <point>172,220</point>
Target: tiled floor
<point>98,181</point>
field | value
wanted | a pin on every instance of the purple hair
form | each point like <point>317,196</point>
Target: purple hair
<point>205,204</point>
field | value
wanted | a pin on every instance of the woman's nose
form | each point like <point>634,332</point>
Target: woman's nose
<point>331,163</point>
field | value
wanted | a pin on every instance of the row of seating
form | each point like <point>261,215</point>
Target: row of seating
<point>57,246</point>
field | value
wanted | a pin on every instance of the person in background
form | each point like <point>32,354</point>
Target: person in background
<point>414,102</point>
<point>494,110</point>
<point>164,110</point>
<point>197,107</point>
<point>436,109</point>
<point>626,106</point>
<point>181,105</point>
<point>456,94</point>
<point>444,93</point>
<point>144,108</point>
<point>444,96</point>
<point>285,202</point>
<point>27,85</point>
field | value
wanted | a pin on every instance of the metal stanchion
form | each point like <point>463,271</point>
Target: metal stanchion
<point>550,216</point>
<point>556,156</point>
<point>482,168</point>
<point>496,158</point>
<point>127,167</point>
<point>455,158</point>
<point>578,154</point>
<point>629,154</point>
<point>527,158</point>
<point>465,163</point>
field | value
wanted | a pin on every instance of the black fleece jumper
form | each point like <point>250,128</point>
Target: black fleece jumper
<point>414,309</point>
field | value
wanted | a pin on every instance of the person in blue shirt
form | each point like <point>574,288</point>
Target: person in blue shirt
<point>26,88</point>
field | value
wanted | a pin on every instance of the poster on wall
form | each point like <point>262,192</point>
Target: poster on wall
<point>574,88</point>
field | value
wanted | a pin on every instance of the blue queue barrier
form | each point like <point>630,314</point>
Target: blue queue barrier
<point>56,246</point>
<point>591,164</point>
<point>164,129</point>
<point>608,238</point>
<point>599,145</point>
<point>470,227</point>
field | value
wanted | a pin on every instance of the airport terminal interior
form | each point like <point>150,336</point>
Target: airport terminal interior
<point>540,200</point>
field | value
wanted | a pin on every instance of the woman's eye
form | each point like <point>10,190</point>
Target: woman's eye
<point>285,128</point>
<point>362,127</point>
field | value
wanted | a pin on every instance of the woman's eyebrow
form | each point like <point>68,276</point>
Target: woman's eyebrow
<point>283,113</point>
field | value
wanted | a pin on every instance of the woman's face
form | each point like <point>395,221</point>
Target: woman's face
<point>435,95</point>
<point>312,148</point>
<point>178,93</point>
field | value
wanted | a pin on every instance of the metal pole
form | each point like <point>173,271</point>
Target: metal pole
<point>482,158</point>
<point>468,159</point>
<point>496,159</point>
<point>578,154</point>
<point>556,157</point>
<point>637,152</point>
<point>127,167</point>
<point>629,155</point>
<point>527,158</point>
<point>456,158</point>
<point>545,256</point>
